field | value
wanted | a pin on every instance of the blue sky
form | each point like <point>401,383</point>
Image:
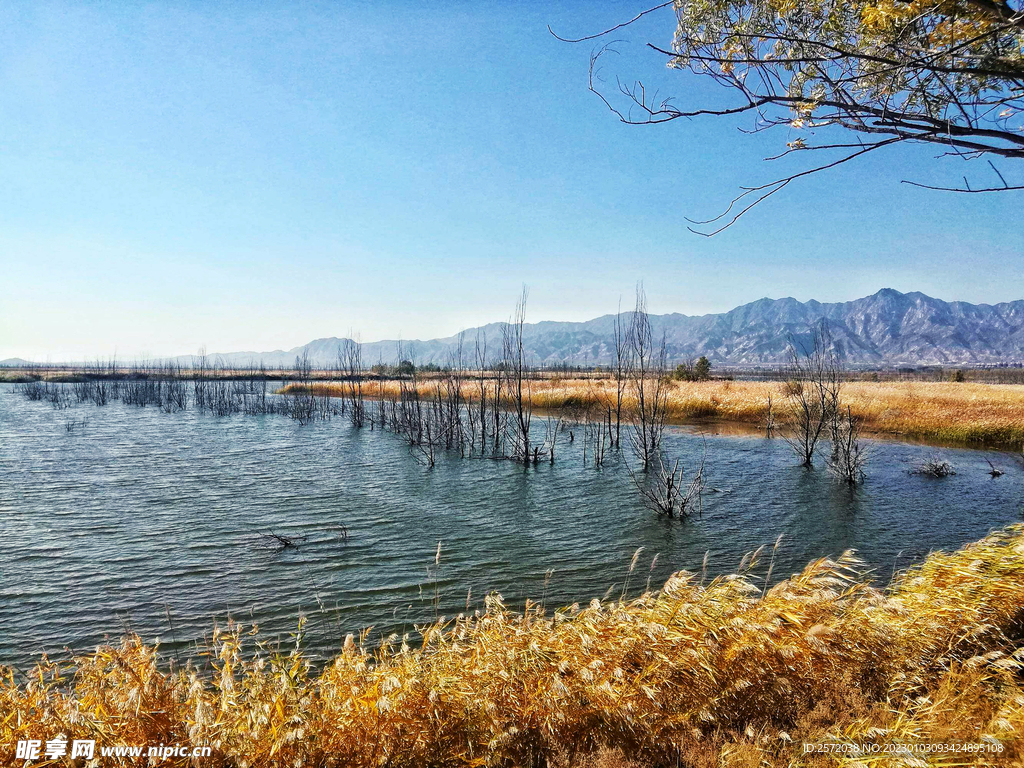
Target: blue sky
<point>253,176</point>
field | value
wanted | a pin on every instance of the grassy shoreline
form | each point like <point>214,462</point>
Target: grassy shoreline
<point>969,414</point>
<point>699,673</point>
<point>974,415</point>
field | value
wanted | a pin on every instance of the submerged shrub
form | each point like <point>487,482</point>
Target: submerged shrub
<point>934,468</point>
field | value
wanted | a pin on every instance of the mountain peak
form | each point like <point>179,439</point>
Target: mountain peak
<point>888,328</point>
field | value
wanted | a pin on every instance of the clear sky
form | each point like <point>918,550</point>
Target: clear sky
<point>252,176</point>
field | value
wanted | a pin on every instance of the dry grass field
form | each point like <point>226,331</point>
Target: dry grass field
<point>970,414</point>
<point>699,673</point>
<point>990,415</point>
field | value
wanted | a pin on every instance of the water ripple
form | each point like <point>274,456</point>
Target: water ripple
<point>142,514</point>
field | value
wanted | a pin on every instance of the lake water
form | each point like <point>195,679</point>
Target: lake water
<point>152,521</point>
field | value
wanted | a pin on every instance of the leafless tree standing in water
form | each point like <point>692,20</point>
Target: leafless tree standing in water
<point>481,367</point>
<point>516,373</point>
<point>647,376</point>
<point>848,457</point>
<point>449,405</point>
<point>813,391</point>
<point>598,434</point>
<point>352,364</point>
<point>622,366</point>
<point>552,428</point>
<point>769,419</point>
<point>664,489</point>
<point>200,369</point>
<point>303,406</point>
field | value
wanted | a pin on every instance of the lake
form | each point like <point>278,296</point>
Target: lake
<point>155,522</point>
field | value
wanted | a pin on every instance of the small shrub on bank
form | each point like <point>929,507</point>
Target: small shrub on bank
<point>694,371</point>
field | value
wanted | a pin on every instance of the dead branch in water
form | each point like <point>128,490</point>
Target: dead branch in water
<point>665,491</point>
<point>280,542</point>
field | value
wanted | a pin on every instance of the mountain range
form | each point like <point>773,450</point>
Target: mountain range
<point>886,329</point>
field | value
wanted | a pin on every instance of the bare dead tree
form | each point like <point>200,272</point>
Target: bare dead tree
<point>934,467</point>
<point>352,363</point>
<point>499,417</point>
<point>382,400</point>
<point>647,378</point>
<point>515,370</point>
<point>481,367</point>
<point>200,369</point>
<point>664,489</point>
<point>279,541</point>
<point>425,446</point>
<point>813,393</point>
<point>453,402</point>
<point>769,419</point>
<point>552,428</point>
<point>622,368</point>
<point>304,366</point>
<point>848,457</point>
<point>597,436</point>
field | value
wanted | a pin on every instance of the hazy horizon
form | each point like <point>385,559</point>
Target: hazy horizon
<point>202,348</point>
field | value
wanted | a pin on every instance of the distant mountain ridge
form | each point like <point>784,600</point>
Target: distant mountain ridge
<point>886,329</point>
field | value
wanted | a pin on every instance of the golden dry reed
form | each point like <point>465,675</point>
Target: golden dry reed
<point>970,414</point>
<point>699,673</point>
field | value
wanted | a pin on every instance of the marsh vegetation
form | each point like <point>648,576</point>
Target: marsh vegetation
<point>679,675</point>
<point>476,406</point>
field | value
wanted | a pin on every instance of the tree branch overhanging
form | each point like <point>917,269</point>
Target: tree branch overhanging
<point>949,73</point>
